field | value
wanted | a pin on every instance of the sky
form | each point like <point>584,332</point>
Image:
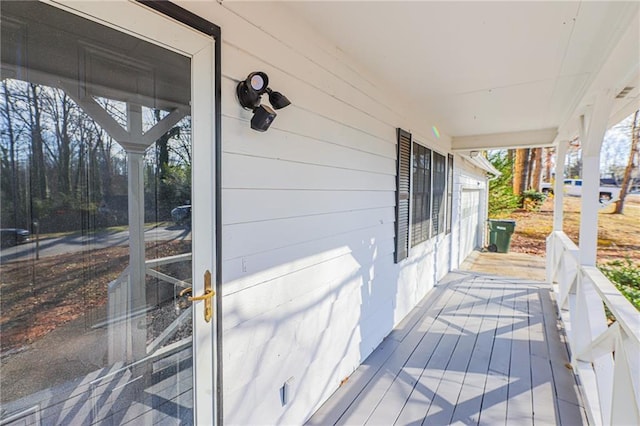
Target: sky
<point>616,145</point>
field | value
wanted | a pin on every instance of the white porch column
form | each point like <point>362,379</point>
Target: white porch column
<point>137,268</point>
<point>558,186</point>
<point>593,126</point>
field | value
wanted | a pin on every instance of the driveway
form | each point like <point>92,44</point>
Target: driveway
<point>78,242</point>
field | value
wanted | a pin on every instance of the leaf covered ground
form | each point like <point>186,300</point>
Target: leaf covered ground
<point>39,296</point>
<point>618,234</point>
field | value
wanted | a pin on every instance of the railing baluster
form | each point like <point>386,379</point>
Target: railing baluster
<point>119,319</point>
<point>607,358</point>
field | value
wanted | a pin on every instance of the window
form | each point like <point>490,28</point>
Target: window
<point>421,194</point>
<point>449,191</point>
<point>439,186</point>
<point>425,178</point>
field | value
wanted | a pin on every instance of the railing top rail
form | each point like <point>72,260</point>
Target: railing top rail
<point>625,313</point>
<point>166,260</point>
<point>619,306</point>
<point>119,279</point>
<point>566,241</point>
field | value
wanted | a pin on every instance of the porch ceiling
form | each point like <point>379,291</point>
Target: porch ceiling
<point>491,68</point>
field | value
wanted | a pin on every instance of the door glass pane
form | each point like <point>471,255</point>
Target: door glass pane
<point>96,224</point>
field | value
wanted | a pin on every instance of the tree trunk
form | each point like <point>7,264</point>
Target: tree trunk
<point>537,169</point>
<point>547,165</point>
<point>519,171</point>
<point>106,165</point>
<point>62,112</point>
<point>528,173</point>
<point>626,180</point>
<point>38,172</point>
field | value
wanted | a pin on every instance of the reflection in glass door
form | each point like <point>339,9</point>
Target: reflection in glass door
<point>96,224</point>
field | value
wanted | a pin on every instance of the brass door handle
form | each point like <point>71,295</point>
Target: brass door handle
<point>207,296</point>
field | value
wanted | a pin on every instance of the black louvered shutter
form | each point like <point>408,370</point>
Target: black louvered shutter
<point>403,175</point>
<point>449,190</point>
<point>439,186</point>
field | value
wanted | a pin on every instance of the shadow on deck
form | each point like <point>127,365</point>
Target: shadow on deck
<point>479,349</point>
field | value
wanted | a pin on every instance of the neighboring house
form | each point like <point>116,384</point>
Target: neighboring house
<point>322,233</point>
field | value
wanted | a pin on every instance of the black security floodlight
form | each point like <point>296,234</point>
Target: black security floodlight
<point>250,91</point>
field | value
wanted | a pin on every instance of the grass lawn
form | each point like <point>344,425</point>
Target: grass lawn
<point>618,235</point>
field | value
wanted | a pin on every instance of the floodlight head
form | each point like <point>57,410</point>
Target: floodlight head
<point>277,99</point>
<point>250,89</point>
<point>258,81</point>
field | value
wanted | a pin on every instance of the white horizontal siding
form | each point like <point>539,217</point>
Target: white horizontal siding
<point>256,237</point>
<point>247,172</point>
<point>246,271</point>
<point>284,145</point>
<point>443,256</point>
<point>309,283</point>
<point>254,205</point>
<point>258,313</point>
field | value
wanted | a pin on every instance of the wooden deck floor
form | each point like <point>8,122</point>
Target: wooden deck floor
<point>478,349</point>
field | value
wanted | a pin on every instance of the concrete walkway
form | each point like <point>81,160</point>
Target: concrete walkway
<point>514,265</point>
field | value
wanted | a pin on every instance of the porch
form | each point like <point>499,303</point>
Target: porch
<point>479,349</point>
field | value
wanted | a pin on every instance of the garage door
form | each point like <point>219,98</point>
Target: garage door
<point>469,217</point>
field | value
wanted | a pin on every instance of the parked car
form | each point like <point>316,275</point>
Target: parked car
<point>606,192</point>
<point>10,237</point>
<point>181,215</point>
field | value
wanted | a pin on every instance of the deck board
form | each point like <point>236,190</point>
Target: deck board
<point>453,378</point>
<point>335,408</point>
<point>362,408</point>
<point>470,391</point>
<point>430,358</point>
<point>479,349</point>
<point>467,408</point>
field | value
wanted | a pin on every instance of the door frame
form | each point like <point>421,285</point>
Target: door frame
<point>177,29</point>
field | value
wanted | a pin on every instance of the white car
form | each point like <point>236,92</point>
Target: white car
<point>607,193</point>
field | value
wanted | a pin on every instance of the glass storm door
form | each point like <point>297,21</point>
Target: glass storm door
<point>106,115</point>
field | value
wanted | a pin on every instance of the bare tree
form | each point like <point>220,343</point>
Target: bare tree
<point>11,159</point>
<point>38,185</point>
<point>61,110</point>
<point>631,164</point>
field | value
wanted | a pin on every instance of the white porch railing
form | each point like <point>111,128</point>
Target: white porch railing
<point>605,357</point>
<point>120,315</point>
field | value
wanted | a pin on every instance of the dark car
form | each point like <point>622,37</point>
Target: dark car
<point>10,237</point>
<point>181,215</point>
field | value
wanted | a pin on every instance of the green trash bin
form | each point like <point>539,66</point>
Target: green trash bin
<point>500,235</point>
